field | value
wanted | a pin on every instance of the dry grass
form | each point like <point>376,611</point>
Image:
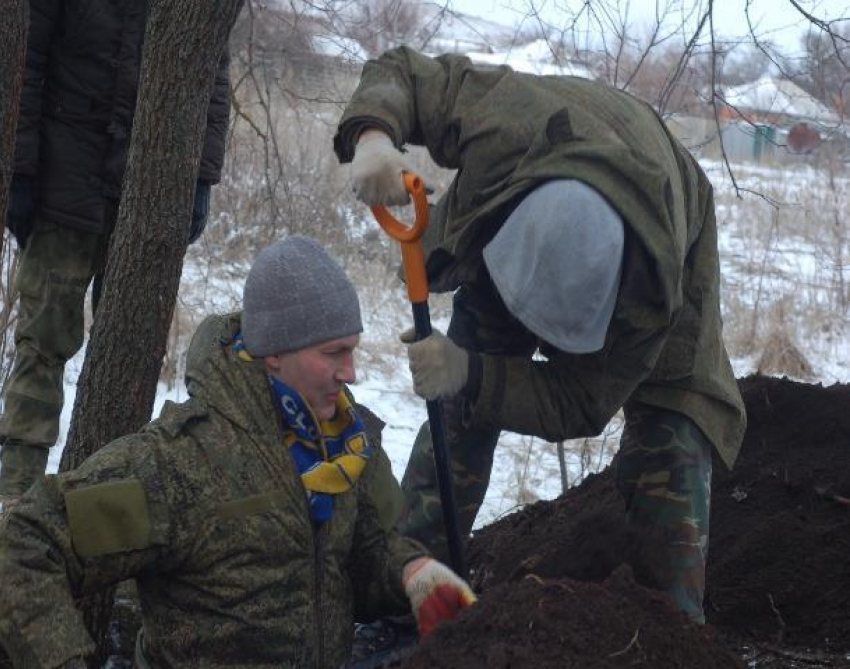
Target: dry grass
<point>785,263</point>
<point>781,357</point>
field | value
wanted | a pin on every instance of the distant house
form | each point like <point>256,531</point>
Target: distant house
<point>773,118</point>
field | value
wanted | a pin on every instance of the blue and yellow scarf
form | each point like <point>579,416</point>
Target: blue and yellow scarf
<point>330,455</point>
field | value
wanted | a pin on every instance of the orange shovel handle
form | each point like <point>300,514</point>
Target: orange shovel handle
<point>412,255</point>
<point>417,289</point>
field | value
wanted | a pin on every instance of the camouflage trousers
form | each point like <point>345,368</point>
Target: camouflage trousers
<point>663,467</point>
<point>663,471</point>
<point>54,273</point>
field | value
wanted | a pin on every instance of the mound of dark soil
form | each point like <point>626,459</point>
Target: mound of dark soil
<point>553,593</point>
<point>779,562</point>
<point>570,624</point>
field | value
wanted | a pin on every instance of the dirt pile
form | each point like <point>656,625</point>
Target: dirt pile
<point>779,566</point>
<point>571,624</point>
<point>555,593</point>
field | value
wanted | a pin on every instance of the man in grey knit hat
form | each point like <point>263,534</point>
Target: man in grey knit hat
<point>257,517</point>
<point>299,306</point>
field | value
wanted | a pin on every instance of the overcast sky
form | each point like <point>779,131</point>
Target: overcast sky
<point>776,19</point>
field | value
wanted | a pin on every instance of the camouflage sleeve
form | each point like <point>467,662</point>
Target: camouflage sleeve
<point>384,490</point>
<point>71,535</point>
<point>564,397</point>
<point>416,100</point>
<point>379,552</point>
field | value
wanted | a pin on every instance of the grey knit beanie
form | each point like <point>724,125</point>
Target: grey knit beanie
<point>296,296</point>
<point>557,262</point>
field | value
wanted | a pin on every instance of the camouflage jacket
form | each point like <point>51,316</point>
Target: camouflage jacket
<point>507,132</point>
<point>206,510</point>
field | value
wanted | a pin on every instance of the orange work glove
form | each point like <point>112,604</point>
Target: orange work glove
<point>436,593</point>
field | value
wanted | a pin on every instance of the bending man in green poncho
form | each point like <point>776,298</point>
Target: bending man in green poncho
<point>577,227</point>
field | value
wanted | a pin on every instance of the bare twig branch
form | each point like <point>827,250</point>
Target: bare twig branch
<point>628,647</point>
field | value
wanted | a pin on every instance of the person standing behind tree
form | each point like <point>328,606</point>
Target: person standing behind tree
<point>76,116</point>
<point>578,227</point>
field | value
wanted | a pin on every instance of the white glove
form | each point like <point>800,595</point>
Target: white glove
<point>376,170</point>
<point>438,365</point>
<point>435,592</point>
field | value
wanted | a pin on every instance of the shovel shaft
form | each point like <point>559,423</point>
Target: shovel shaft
<point>442,459</point>
<point>416,279</point>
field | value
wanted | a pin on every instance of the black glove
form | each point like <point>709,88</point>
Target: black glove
<point>200,210</point>
<point>21,210</point>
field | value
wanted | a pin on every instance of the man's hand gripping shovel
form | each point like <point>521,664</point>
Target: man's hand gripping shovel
<point>417,290</point>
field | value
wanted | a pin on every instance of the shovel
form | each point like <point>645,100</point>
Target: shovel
<point>416,279</point>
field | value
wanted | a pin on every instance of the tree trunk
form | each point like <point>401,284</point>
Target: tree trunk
<point>14,23</point>
<point>117,387</point>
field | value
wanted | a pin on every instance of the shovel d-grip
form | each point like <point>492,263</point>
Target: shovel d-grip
<point>416,279</point>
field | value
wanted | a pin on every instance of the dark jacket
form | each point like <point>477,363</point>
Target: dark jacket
<point>77,106</point>
<point>205,508</point>
<point>506,132</point>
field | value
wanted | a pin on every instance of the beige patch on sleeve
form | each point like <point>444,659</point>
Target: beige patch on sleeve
<point>108,518</point>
